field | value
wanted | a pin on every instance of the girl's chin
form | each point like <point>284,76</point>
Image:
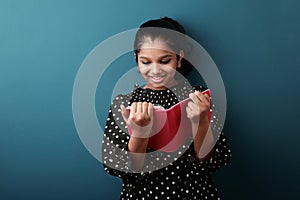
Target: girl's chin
<point>154,87</point>
<point>159,86</point>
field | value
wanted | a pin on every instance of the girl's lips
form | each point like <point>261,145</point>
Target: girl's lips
<point>157,79</point>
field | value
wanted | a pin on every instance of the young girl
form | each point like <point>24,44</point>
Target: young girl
<point>149,173</point>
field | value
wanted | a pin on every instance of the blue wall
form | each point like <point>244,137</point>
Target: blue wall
<point>255,45</point>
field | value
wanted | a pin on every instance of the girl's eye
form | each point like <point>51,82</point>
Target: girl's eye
<point>164,61</point>
<point>146,62</point>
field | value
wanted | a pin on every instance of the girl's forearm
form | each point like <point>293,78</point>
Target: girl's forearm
<point>203,139</point>
<point>137,148</point>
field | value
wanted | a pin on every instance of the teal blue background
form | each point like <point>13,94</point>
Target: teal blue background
<point>255,45</point>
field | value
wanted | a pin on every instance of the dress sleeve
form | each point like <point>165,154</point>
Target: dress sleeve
<point>115,155</point>
<point>219,156</point>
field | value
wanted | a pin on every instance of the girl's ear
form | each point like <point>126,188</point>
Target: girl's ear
<point>181,55</point>
<point>135,57</point>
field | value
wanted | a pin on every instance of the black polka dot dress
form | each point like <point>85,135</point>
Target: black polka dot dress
<point>165,175</point>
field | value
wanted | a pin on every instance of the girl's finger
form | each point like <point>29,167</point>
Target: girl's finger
<point>207,97</point>
<point>192,106</point>
<point>133,108</point>
<point>145,107</point>
<point>139,108</point>
<point>150,110</point>
<point>194,98</point>
<point>200,96</point>
<point>188,110</point>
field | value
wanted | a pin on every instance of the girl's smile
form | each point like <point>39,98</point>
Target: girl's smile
<point>157,79</point>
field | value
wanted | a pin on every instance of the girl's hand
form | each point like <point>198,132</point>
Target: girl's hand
<point>198,108</point>
<point>140,118</point>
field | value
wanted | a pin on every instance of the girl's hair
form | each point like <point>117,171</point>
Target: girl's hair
<point>163,29</point>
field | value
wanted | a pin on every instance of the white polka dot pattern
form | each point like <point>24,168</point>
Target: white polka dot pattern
<point>185,177</point>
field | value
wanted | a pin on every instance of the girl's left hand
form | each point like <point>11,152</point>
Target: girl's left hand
<point>198,108</point>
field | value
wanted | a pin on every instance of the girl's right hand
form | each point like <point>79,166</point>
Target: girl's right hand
<point>140,118</point>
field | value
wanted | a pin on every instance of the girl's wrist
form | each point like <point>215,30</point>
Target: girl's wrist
<point>137,145</point>
<point>201,121</point>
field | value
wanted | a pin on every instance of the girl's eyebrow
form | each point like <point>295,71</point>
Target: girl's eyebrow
<point>162,57</point>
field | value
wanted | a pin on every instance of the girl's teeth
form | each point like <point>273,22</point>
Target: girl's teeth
<point>157,79</point>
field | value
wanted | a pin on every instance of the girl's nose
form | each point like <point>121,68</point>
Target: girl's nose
<point>155,68</point>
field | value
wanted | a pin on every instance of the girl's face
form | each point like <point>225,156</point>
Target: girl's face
<point>157,64</point>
